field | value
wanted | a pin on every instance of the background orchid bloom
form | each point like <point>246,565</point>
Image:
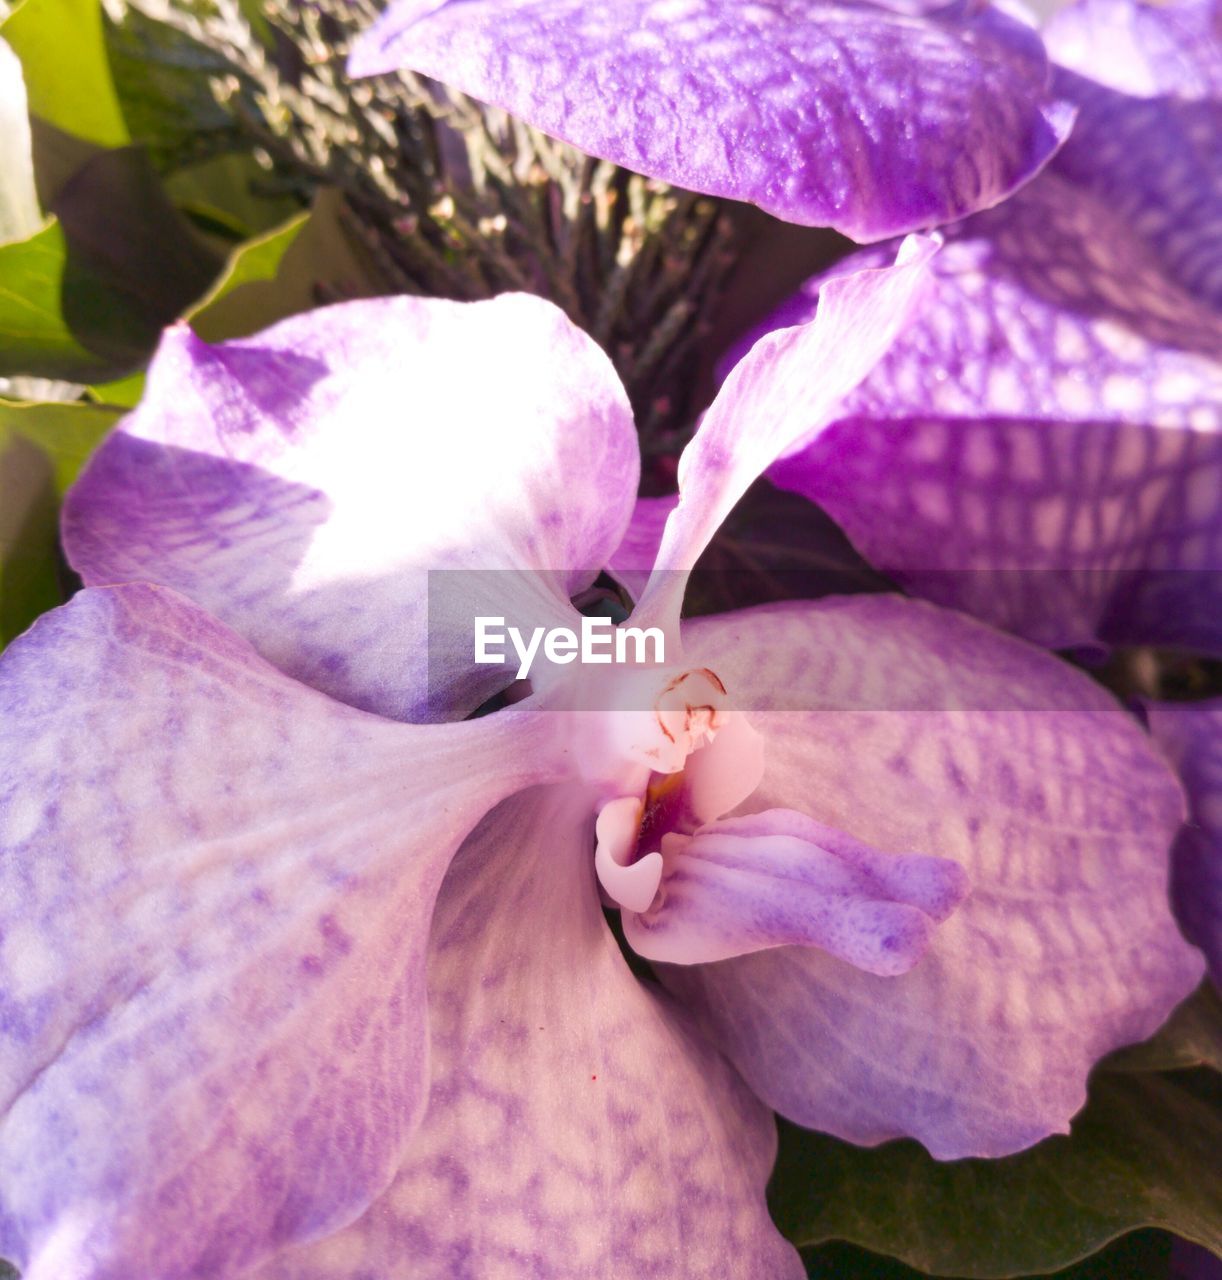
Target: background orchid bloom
<point>1191,734</point>
<point>1042,446</point>
<point>834,113</point>
<point>230,903</point>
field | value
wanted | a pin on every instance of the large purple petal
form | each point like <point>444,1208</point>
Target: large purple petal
<point>1191,734</point>
<point>790,379</point>
<point>823,112</point>
<point>301,484</point>
<point>577,1125</point>
<point>910,727</point>
<point>1148,139</point>
<point>1042,445</point>
<point>215,894</point>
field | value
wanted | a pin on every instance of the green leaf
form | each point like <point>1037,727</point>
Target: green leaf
<point>123,393</point>
<point>161,79</point>
<point>34,336</point>
<point>42,448</point>
<point>306,262</point>
<point>1192,1037</point>
<point>233,195</point>
<point>1142,1153</point>
<point>228,309</point>
<point>63,53</point>
<point>86,298</point>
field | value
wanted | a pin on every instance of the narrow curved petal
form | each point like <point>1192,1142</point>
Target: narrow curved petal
<point>822,112</point>
<point>19,213</point>
<point>916,728</point>
<point>1191,735</point>
<point>577,1125</point>
<point>778,878</point>
<point>349,488</point>
<point>1042,445</point>
<point>215,894</point>
<point>790,379</point>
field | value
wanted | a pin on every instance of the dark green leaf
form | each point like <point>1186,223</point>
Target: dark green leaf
<point>42,447</point>
<point>34,336</point>
<point>1192,1037</point>
<point>86,298</point>
<point>1142,1153</point>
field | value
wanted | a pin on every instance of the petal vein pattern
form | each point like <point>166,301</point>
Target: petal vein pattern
<point>578,1128</point>
<point>215,893</point>
<point>822,112</point>
<point>911,727</point>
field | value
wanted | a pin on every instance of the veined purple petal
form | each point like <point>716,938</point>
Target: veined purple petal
<point>823,112</point>
<point>215,894</point>
<point>789,380</point>
<point>1191,734</point>
<point>1147,80</point>
<point>1042,445</point>
<point>301,485</point>
<point>779,878</point>
<point>916,728</point>
<point>577,1125</point>
<point>1142,49</point>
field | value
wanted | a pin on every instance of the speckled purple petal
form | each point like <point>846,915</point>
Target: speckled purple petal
<point>789,380</point>
<point>1147,80</point>
<point>215,894</point>
<point>779,878</point>
<point>822,112</point>
<point>577,1126</point>
<point>1191,734</point>
<point>1042,445</point>
<point>301,484</point>
<point>911,727</point>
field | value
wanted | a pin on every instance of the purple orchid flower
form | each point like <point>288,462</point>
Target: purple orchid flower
<point>1042,446</point>
<point>839,113</point>
<point>292,988</point>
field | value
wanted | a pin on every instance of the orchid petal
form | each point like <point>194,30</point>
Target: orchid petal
<point>19,213</point>
<point>1191,735</point>
<point>789,380</point>
<point>212,957</point>
<point>632,561</point>
<point>916,728</point>
<point>778,878</point>
<point>1141,49</point>
<point>1042,446</point>
<point>822,112</point>
<point>1148,138</point>
<point>301,484</point>
<point>577,1126</point>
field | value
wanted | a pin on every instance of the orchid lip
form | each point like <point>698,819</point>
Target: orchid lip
<point>715,761</point>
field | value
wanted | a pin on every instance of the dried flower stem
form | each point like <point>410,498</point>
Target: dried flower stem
<point>454,199</point>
